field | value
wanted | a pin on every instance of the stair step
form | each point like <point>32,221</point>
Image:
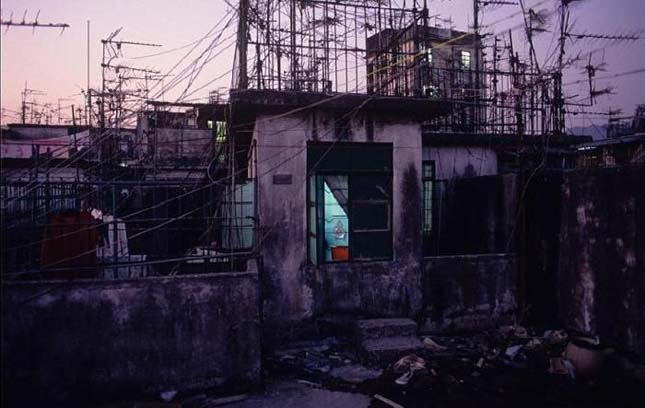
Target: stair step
<point>378,328</point>
<point>337,325</point>
<point>386,350</point>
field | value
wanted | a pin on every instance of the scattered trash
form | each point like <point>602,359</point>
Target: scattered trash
<point>480,363</point>
<point>167,396</point>
<point>405,378</point>
<point>512,351</point>
<point>430,344</point>
<point>486,368</point>
<point>515,330</point>
<point>408,366</point>
<point>521,332</point>
<point>411,362</point>
<point>387,401</point>
<point>533,344</point>
<point>554,337</point>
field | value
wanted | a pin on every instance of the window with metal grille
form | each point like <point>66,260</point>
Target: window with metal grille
<point>428,191</point>
<point>350,202</point>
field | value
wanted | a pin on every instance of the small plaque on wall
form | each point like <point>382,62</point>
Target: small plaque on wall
<point>282,179</point>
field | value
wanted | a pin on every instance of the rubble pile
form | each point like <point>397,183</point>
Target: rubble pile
<point>505,368</point>
<point>508,367</point>
<point>512,367</point>
<point>329,362</point>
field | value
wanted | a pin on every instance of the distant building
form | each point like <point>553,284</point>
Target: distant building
<point>428,62</point>
<point>617,151</point>
<point>179,144</point>
<point>20,141</point>
<point>442,62</point>
<point>623,126</point>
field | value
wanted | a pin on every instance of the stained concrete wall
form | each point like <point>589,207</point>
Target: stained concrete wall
<point>181,143</point>
<point>453,162</point>
<point>467,186</point>
<point>75,342</point>
<point>479,216</point>
<point>369,289</point>
<point>469,292</point>
<point>295,292</point>
<point>602,254</point>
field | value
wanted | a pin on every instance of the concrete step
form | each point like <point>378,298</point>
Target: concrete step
<point>386,350</point>
<point>367,329</point>
<point>337,325</point>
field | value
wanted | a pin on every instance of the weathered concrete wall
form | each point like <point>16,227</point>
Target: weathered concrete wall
<point>469,291</point>
<point>181,143</point>
<point>538,244</point>
<point>602,254</point>
<point>372,289</point>
<point>471,201</point>
<point>75,342</point>
<point>459,162</point>
<point>294,292</point>
<point>479,215</point>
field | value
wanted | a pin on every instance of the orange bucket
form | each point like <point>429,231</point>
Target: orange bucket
<point>340,253</point>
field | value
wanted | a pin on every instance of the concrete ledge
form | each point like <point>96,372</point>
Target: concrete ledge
<point>371,289</point>
<point>75,342</point>
<point>467,292</point>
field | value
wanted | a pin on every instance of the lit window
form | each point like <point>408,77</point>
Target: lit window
<point>431,91</point>
<point>465,59</point>
<point>350,202</point>
<point>210,124</point>
<point>220,131</point>
<point>428,55</point>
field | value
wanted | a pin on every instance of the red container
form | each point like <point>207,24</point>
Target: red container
<point>340,253</point>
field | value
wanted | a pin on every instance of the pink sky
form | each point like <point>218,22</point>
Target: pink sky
<point>56,64</point>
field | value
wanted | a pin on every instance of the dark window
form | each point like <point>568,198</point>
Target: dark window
<point>350,202</point>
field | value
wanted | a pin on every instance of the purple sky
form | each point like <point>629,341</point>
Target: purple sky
<point>56,64</point>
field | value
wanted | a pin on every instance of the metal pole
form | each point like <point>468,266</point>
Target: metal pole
<point>476,48</point>
<point>242,43</point>
<point>88,116</point>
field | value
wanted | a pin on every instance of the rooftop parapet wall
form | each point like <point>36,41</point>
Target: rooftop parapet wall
<point>78,342</point>
<point>602,254</point>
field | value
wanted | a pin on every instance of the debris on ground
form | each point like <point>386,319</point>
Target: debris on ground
<point>387,401</point>
<point>508,367</point>
<point>513,351</point>
<point>167,396</point>
<point>411,362</point>
<point>555,337</point>
<point>355,373</point>
<point>432,345</point>
<point>514,330</point>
